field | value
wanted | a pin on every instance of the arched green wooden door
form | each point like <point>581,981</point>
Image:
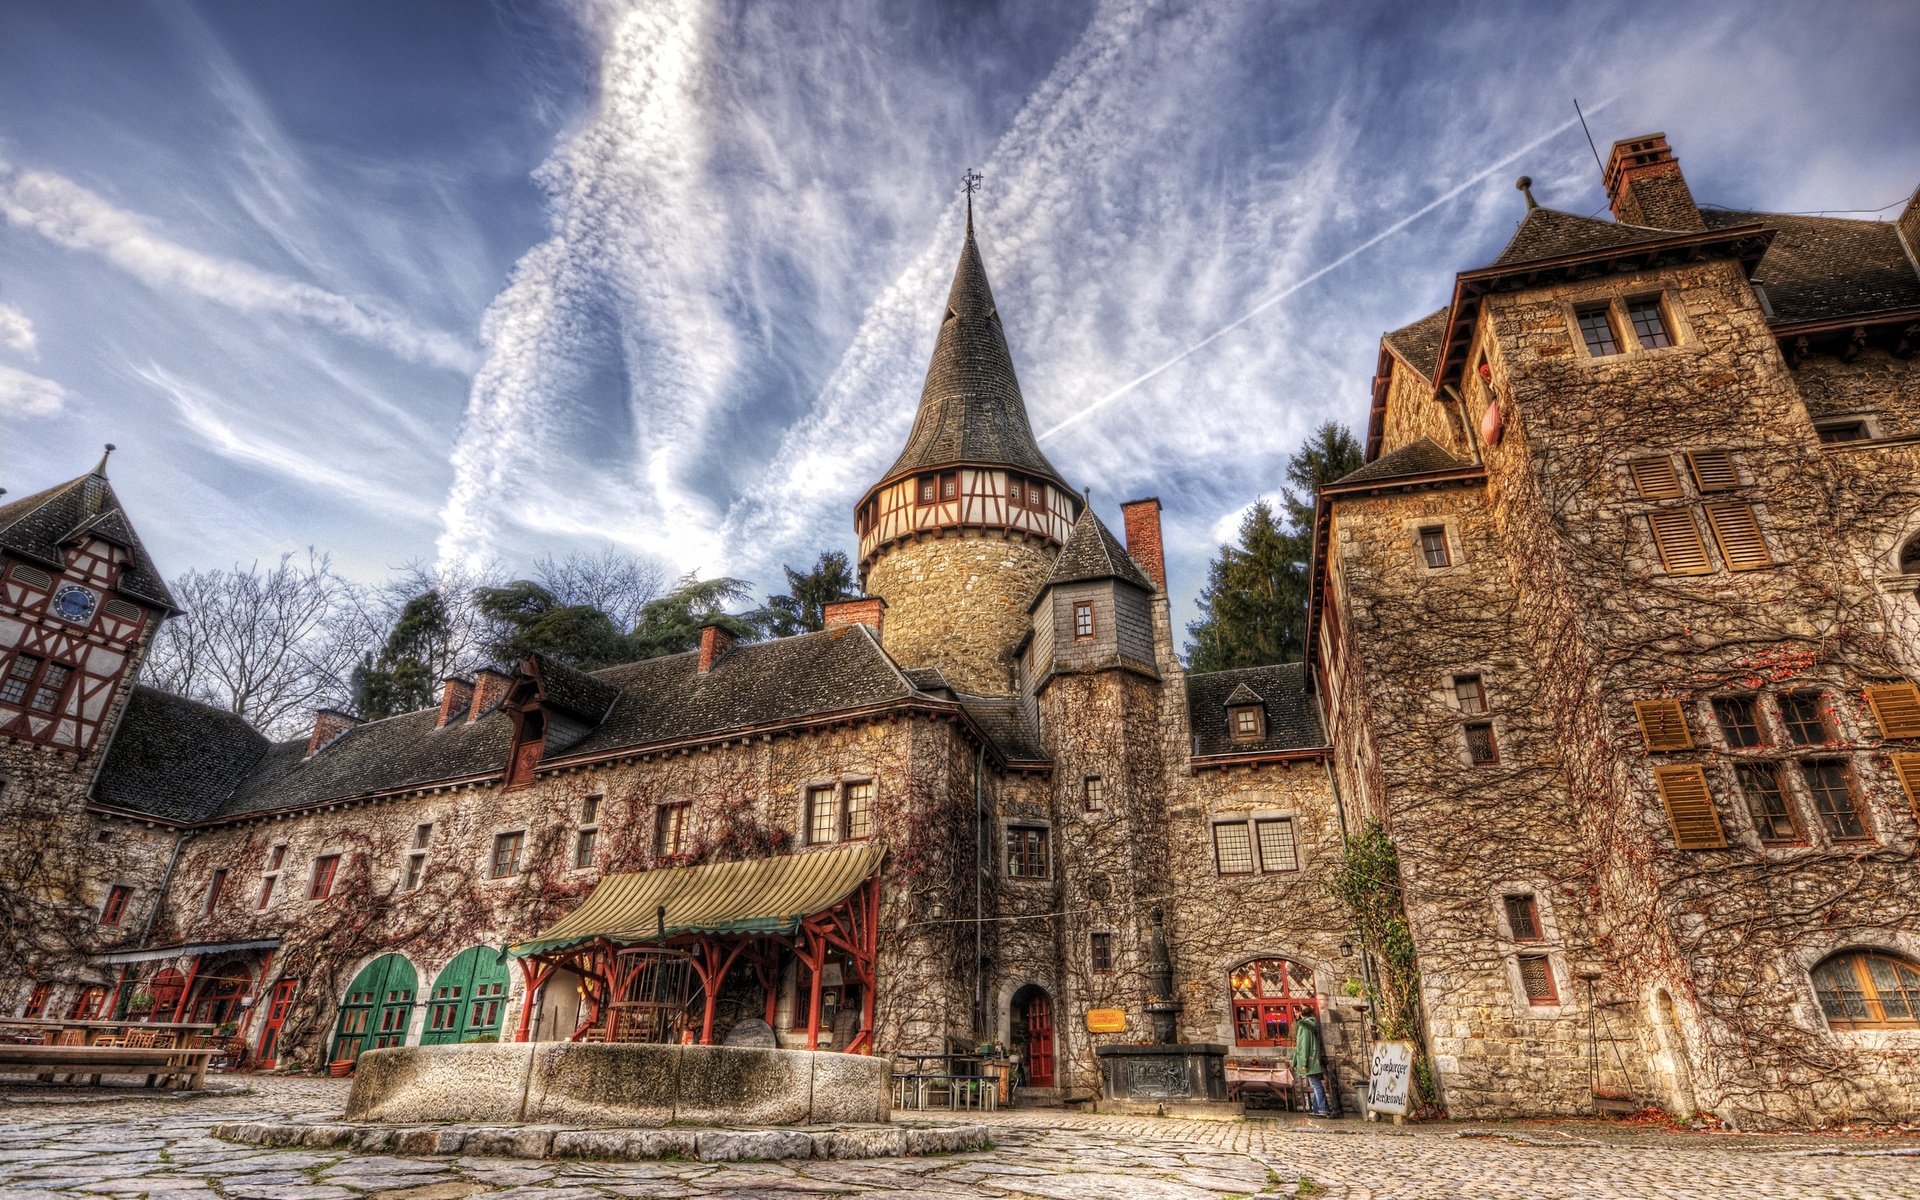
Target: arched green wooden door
<point>377,1008</point>
<point>468,995</point>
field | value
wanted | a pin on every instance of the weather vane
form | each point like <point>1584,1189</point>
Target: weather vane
<point>971,182</point>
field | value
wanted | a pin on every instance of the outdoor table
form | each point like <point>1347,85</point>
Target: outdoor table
<point>974,1085</point>
<point>50,1028</point>
<point>186,1067</point>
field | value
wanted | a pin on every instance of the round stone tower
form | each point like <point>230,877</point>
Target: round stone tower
<point>962,530</point>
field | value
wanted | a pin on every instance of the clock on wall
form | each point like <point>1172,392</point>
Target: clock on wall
<point>74,603</point>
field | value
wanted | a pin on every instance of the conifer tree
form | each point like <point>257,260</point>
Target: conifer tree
<point>402,678</point>
<point>804,606</point>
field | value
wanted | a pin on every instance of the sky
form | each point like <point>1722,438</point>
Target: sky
<point>416,281</point>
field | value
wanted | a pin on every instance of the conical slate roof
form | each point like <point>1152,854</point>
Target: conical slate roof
<point>1092,552</point>
<point>971,410</point>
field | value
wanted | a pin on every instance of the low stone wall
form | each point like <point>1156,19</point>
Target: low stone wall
<point>620,1084</point>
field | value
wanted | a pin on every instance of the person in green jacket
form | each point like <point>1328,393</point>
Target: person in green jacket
<point>1310,1064</point>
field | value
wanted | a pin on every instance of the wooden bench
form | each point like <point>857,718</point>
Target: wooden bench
<point>1275,1081</point>
<point>174,1066</point>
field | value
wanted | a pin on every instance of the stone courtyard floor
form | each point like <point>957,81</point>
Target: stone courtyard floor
<point>137,1145</point>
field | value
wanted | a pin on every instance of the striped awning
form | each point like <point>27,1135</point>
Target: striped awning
<point>762,895</point>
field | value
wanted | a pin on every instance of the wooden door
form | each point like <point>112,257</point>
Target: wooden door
<point>377,1009</point>
<point>1040,1040</point>
<point>277,1008</point>
<point>467,997</point>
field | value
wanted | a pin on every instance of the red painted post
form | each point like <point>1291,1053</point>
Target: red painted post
<point>816,963</point>
<point>186,989</point>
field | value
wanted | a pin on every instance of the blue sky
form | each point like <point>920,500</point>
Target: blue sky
<point>409,280</point>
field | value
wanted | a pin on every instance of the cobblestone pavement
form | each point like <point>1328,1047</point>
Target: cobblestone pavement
<point>158,1148</point>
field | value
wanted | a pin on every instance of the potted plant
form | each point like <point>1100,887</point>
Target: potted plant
<point>140,1004</point>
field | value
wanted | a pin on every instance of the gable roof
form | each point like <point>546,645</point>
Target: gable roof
<point>37,527</point>
<point>971,409</point>
<point>1293,721</point>
<point>176,759</point>
<point>1550,233</point>
<point>1419,343</point>
<point>1424,457</point>
<point>1243,695</point>
<point>1092,552</point>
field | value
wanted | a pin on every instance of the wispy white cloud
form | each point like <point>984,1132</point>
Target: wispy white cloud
<point>16,332</point>
<point>76,218</point>
<point>24,395</point>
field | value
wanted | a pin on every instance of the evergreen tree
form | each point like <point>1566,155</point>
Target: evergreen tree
<point>403,677</point>
<point>671,624</point>
<point>1254,607</point>
<point>804,605</point>
<point>525,618</point>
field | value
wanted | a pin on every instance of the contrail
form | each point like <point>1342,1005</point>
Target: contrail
<point>1290,289</point>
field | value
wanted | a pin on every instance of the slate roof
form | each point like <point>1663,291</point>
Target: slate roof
<point>378,756</point>
<point>1824,267</point>
<point>1092,552</point>
<point>575,691</point>
<point>1419,343</point>
<point>36,527</point>
<point>1004,720</point>
<point>1550,233</point>
<point>1243,695</point>
<point>1424,457</point>
<point>1293,721</point>
<point>971,409</point>
<point>175,758</point>
<point>926,679</point>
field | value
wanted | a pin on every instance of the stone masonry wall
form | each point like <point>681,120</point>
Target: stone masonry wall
<point>959,603</point>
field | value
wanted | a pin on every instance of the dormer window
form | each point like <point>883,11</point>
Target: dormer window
<point>1248,722</point>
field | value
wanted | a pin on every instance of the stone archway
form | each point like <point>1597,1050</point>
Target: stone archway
<point>1032,1037</point>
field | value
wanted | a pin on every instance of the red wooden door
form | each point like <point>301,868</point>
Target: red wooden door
<point>283,994</point>
<point>1040,1040</point>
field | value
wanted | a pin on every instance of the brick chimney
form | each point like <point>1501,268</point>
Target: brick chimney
<point>1141,520</point>
<point>328,724</point>
<point>489,688</point>
<point>456,697</point>
<point>1645,187</point>
<point>870,611</point>
<point>714,641</point>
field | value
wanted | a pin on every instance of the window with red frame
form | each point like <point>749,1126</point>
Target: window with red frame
<point>324,869</point>
<point>1269,994</point>
<point>35,683</point>
<point>88,1004</point>
<point>217,885</point>
<point>116,907</point>
<point>37,1002</point>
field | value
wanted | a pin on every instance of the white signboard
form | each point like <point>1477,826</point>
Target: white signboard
<point>1391,1076</point>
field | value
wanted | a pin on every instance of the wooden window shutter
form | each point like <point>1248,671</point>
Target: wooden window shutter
<point>1696,826</point>
<point>1655,478</point>
<point>1663,723</point>
<point>1712,470</point>
<point>1897,707</point>
<point>1907,767</point>
<point>1677,538</point>
<point>1737,533</point>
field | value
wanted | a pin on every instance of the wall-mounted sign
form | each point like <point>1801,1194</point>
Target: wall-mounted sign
<point>1106,1020</point>
<point>1392,1072</point>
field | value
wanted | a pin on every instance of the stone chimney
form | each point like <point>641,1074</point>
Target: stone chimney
<point>328,724</point>
<point>1141,520</point>
<point>456,697</point>
<point>1645,187</point>
<point>714,641</point>
<point>870,611</point>
<point>1908,223</point>
<point>489,688</point>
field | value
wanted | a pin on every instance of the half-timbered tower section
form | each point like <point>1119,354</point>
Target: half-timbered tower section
<point>1617,633</point>
<point>962,529</point>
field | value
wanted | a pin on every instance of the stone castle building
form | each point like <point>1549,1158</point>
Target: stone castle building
<point>1614,635</point>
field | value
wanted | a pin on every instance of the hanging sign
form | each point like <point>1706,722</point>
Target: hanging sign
<point>1392,1073</point>
<point>1106,1020</point>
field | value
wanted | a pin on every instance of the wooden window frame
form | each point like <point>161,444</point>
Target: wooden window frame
<point>670,827</point>
<point>1663,725</point>
<point>1028,856</point>
<point>1470,695</point>
<point>1257,731</point>
<point>270,878</point>
<point>588,834</point>
<point>856,822</point>
<point>1093,792</point>
<point>1868,989</point>
<point>1259,1011</point>
<point>1083,626</point>
<point>1764,821</point>
<point>216,887</point>
<point>320,880</point>
<point>1896,708</point>
<point>1260,824</point>
<point>1584,320</point>
<point>1431,540</point>
<point>1685,794</point>
<point>1841,430</point>
<point>1662,321</point>
<point>1832,819</point>
<point>1792,720</point>
<point>415,873</point>
<point>926,490</point>
<point>1245,830</point>
<point>1723,705</point>
<point>1712,471</point>
<point>1547,996</point>
<point>821,808</point>
<point>1492,757</point>
<point>514,843</point>
<point>1906,769</point>
<point>114,910</point>
<point>1655,478</point>
<point>949,486</point>
<point>32,684</point>
<point>1100,952</point>
<point>1528,904</point>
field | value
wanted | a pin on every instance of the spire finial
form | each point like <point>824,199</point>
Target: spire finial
<point>971,182</point>
<point>101,469</point>
<point>1525,184</point>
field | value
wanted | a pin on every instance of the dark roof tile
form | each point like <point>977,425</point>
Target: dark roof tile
<point>1550,233</point>
<point>1293,721</point>
<point>1424,457</point>
<point>176,759</point>
<point>1821,268</point>
<point>1092,552</point>
<point>37,526</point>
<point>1419,343</point>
